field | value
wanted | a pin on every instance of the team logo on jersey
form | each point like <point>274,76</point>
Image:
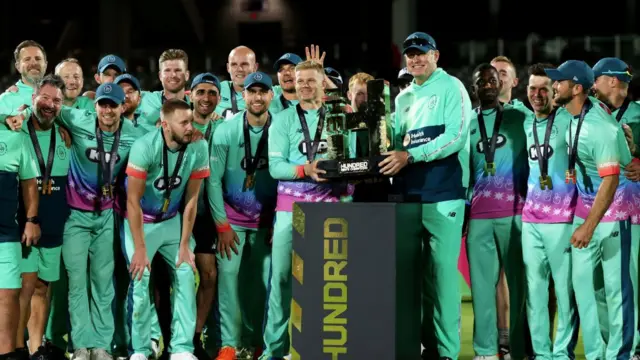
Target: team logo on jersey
<point>160,185</point>
<point>533,154</point>
<point>3,148</point>
<point>433,101</point>
<point>263,163</point>
<point>500,142</point>
<point>322,147</point>
<point>94,156</point>
<point>61,152</point>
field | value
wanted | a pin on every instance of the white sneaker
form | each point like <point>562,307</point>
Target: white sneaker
<point>155,349</point>
<point>138,356</point>
<point>486,357</point>
<point>183,356</point>
<point>81,354</point>
<point>100,354</point>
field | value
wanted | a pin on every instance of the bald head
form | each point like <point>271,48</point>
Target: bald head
<point>241,62</point>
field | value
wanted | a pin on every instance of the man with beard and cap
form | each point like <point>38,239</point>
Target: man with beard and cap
<point>71,73</point>
<point>205,96</point>
<point>131,87</point>
<point>431,160</point>
<point>18,175</point>
<point>165,168</point>
<point>601,237</point>
<point>241,62</point>
<point>547,223</point>
<point>41,262</point>
<point>31,63</point>
<point>109,68</point>
<point>499,174</point>
<point>242,195</point>
<point>284,95</point>
<point>173,74</point>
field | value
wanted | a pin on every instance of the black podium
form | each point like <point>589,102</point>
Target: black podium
<point>356,281</point>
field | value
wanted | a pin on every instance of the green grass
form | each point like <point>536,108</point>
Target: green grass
<point>466,351</point>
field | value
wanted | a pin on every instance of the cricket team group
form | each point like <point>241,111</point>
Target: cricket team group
<point>115,199</point>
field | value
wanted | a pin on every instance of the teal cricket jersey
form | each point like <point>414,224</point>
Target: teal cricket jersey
<point>84,103</point>
<point>83,192</point>
<point>150,104</point>
<point>226,93</point>
<point>16,164</point>
<point>279,103</point>
<point>629,114</point>
<point>53,208</point>
<point>207,131</point>
<point>432,124</point>
<point>502,194</point>
<point>602,151</point>
<point>146,162</point>
<point>231,202</point>
<point>288,154</point>
<point>556,205</point>
<point>11,101</point>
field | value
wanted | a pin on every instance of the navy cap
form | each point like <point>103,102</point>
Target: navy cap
<point>334,75</point>
<point>112,61</point>
<point>404,74</point>
<point>288,58</point>
<point>575,70</point>
<point>258,78</point>
<point>129,79</point>
<point>205,78</point>
<point>110,91</point>
<point>613,67</point>
<point>419,40</point>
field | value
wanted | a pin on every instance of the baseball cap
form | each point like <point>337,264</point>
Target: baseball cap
<point>112,61</point>
<point>575,70</point>
<point>205,78</point>
<point>288,58</point>
<point>334,75</point>
<point>110,91</point>
<point>612,66</point>
<point>258,78</point>
<point>419,40</point>
<point>404,74</point>
<point>130,79</point>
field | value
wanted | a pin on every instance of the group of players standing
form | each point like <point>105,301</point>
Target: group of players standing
<point>105,181</point>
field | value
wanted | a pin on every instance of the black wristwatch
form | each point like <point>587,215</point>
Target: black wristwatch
<point>410,160</point>
<point>34,220</point>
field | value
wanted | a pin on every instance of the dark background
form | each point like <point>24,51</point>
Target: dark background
<point>357,34</point>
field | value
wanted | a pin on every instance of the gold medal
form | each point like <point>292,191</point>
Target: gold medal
<point>107,191</point>
<point>249,182</point>
<point>165,206</point>
<point>570,176</point>
<point>47,187</point>
<point>490,168</point>
<point>546,183</point>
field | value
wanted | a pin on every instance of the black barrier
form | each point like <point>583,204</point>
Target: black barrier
<point>356,281</point>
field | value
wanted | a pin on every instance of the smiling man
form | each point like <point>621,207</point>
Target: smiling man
<point>284,95</point>
<point>31,63</point>
<point>241,62</point>
<point>499,176</point>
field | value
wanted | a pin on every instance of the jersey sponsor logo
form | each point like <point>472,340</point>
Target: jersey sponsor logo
<point>93,155</point>
<point>263,163</point>
<point>61,152</point>
<point>533,154</point>
<point>500,142</point>
<point>3,148</point>
<point>322,147</point>
<point>433,102</point>
<point>422,135</point>
<point>160,185</point>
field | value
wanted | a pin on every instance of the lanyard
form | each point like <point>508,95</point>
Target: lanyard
<point>232,95</point>
<point>45,169</point>
<point>107,169</point>
<point>311,147</point>
<point>543,154</point>
<point>169,181</point>
<point>251,163</point>
<point>489,145</point>
<point>573,144</point>
<point>622,109</point>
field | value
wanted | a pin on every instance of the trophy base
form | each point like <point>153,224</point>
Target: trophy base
<point>364,167</point>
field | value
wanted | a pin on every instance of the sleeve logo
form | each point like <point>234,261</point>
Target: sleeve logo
<point>3,148</point>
